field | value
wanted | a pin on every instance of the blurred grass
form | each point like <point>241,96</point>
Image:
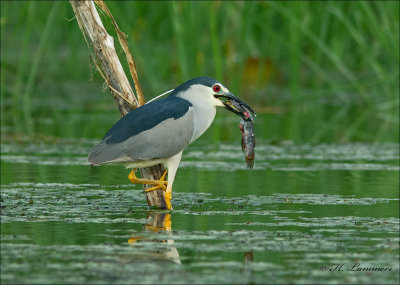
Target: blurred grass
<point>323,71</point>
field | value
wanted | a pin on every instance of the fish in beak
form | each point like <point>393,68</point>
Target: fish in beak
<point>236,105</point>
<point>241,108</point>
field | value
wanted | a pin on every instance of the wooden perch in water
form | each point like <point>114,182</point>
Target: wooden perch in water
<point>107,62</point>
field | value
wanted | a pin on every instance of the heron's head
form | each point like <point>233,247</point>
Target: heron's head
<point>206,90</point>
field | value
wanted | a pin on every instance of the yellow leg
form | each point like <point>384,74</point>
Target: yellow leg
<point>168,196</point>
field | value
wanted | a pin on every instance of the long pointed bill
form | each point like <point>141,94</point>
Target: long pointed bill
<point>235,104</point>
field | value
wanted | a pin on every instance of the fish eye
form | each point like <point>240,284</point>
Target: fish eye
<point>216,88</point>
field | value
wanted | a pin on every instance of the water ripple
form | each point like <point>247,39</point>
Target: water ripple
<point>229,157</point>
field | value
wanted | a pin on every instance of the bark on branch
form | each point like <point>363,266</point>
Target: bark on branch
<point>101,45</point>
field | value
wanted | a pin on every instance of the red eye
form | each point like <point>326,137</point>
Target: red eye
<point>216,88</point>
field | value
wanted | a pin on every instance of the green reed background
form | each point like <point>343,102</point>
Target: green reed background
<point>317,71</point>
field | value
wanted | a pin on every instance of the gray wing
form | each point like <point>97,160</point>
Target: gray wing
<point>164,140</point>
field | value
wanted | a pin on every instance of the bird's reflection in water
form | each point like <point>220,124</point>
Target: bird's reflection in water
<point>147,257</point>
<point>157,222</point>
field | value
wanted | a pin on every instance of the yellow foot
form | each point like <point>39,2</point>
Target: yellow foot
<point>159,184</point>
<point>162,178</point>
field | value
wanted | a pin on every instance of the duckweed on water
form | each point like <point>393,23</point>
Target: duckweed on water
<point>65,223</point>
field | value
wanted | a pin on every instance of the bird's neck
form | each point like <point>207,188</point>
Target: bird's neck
<point>203,116</point>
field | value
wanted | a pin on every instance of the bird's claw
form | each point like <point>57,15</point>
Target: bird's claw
<point>162,178</point>
<point>161,185</point>
<point>158,184</point>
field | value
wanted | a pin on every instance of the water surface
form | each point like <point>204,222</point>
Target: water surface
<point>304,210</point>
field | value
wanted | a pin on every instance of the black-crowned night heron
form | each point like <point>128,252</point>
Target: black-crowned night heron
<point>159,131</point>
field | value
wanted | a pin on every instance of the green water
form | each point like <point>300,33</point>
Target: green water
<point>302,209</point>
<point>321,202</point>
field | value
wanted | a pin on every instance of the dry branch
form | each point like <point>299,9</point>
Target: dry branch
<point>107,62</point>
<point>124,45</point>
